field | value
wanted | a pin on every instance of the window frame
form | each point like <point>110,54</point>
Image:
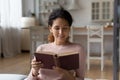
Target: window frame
<point>98,16</point>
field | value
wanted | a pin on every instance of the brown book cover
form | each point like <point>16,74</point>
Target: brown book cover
<point>67,61</point>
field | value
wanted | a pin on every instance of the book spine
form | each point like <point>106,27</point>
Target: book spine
<point>56,60</point>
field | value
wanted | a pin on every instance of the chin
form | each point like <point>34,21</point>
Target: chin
<point>61,41</point>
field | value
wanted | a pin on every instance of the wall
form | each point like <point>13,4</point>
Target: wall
<point>81,16</point>
<point>28,7</point>
<point>25,40</point>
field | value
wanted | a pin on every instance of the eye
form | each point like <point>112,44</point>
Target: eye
<point>65,28</point>
<point>56,28</point>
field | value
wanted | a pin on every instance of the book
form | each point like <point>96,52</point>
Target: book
<point>68,61</point>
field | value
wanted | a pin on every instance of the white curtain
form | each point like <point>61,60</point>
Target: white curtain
<point>0,41</point>
<point>11,13</point>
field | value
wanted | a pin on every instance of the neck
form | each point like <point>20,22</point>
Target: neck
<point>61,43</point>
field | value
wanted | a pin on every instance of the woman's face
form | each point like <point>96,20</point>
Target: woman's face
<point>60,30</point>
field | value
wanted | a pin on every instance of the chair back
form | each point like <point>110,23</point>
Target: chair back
<point>95,33</point>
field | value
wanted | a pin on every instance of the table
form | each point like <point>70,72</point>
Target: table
<point>83,31</point>
<point>39,34</point>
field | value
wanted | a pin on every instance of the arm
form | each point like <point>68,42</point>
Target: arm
<point>35,67</point>
<point>34,73</point>
<point>82,64</point>
<point>31,77</point>
<point>66,75</point>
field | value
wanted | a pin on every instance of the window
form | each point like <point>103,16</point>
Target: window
<point>102,10</point>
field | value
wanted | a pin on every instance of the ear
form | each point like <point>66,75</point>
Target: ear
<point>50,28</point>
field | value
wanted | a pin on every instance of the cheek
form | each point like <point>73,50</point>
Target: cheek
<point>55,33</point>
<point>67,33</point>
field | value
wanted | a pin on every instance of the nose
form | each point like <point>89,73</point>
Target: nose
<point>61,31</point>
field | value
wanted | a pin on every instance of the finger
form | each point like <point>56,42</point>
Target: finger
<point>34,59</point>
<point>37,65</point>
<point>35,62</point>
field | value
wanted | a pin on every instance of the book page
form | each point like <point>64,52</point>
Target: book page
<point>45,52</point>
<point>67,53</point>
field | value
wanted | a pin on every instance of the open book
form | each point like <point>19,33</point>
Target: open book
<point>68,61</point>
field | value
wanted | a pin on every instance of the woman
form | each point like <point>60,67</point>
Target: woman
<point>59,23</point>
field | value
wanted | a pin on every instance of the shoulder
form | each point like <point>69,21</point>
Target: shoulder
<point>77,45</point>
<point>43,46</point>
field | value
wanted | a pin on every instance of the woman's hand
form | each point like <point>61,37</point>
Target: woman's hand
<point>35,67</point>
<point>66,74</point>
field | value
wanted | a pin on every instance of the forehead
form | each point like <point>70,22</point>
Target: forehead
<point>60,22</point>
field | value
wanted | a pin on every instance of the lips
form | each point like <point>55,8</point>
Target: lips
<point>60,36</point>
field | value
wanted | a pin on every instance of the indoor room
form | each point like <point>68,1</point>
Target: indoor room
<point>24,26</point>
